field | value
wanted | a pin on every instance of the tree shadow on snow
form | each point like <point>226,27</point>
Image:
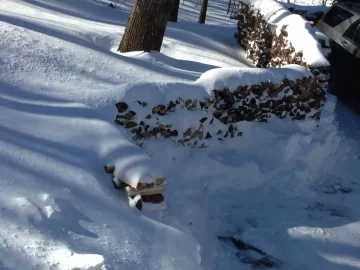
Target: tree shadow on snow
<point>92,10</point>
<point>191,73</point>
<point>348,117</point>
<point>64,220</point>
<point>11,259</point>
<point>201,37</point>
<point>282,230</point>
<point>71,200</point>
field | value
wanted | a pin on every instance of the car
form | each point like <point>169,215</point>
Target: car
<point>341,23</point>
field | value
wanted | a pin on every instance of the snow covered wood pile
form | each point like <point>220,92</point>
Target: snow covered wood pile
<point>262,45</point>
<point>143,185</point>
<point>253,95</point>
<point>273,37</point>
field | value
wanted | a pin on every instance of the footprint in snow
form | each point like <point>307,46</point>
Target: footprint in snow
<point>335,186</point>
<point>249,254</point>
<point>332,210</point>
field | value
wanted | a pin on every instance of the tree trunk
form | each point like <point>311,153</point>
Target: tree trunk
<point>203,10</point>
<point>174,11</point>
<point>146,26</point>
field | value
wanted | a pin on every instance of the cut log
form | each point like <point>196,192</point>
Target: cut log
<point>153,206</point>
<point>109,168</point>
<point>140,186</point>
<point>135,201</point>
<point>159,181</point>
<point>156,198</point>
<point>156,189</point>
<point>148,203</point>
<point>147,176</point>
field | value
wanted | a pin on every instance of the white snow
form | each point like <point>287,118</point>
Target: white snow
<point>288,188</point>
<point>310,7</point>
<point>304,4</point>
<point>66,260</point>
<point>233,77</point>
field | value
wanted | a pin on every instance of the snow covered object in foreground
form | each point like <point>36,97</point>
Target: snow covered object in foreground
<point>138,176</point>
<point>142,182</point>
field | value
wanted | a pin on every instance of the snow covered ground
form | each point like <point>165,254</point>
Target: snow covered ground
<point>288,188</point>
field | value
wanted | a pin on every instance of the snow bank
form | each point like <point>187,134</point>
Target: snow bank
<point>301,33</point>
<point>197,114</point>
<point>233,77</point>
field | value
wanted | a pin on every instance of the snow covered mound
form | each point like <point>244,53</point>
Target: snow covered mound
<point>302,35</point>
<point>220,98</point>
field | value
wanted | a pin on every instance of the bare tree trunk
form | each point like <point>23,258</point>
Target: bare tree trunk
<point>146,26</point>
<point>174,11</point>
<point>203,10</point>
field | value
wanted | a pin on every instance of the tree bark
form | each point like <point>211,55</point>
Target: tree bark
<point>203,10</point>
<point>174,11</point>
<point>146,26</point>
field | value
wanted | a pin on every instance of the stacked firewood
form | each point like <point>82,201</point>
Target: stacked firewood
<point>283,52</point>
<point>261,44</point>
<point>254,35</point>
<point>297,99</point>
<point>142,195</point>
<point>267,49</point>
<point>259,102</point>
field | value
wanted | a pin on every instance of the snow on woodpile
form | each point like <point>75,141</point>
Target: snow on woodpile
<point>301,33</point>
<point>133,171</point>
<point>273,36</point>
<point>218,100</point>
<point>310,13</point>
<point>262,45</point>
